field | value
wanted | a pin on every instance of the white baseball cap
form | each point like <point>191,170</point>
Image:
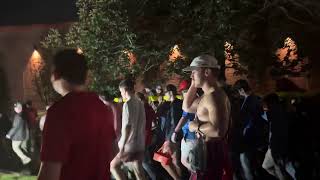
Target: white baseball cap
<point>203,61</point>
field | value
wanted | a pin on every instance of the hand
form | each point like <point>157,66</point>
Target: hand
<point>192,83</point>
<point>174,137</point>
<point>193,126</point>
<point>167,148</point>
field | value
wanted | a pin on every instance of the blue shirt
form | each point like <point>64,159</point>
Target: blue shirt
<point>185,129</point>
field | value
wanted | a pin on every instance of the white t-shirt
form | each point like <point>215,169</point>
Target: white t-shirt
<point>42,121</point>
<point>133,114</point>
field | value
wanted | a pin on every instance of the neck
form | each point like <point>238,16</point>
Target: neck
<point>67,87</point>
<point>172,98</point>
<point>209,86</point>
<point>129,96</point>
<point>247,94</point>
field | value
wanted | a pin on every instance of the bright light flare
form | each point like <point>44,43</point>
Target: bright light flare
<point>35,60</point>
<point>175,53</point>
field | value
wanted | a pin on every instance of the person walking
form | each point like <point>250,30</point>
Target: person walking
<point>19,133</point>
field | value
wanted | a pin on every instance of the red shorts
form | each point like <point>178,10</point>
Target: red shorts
<point>218,162</point>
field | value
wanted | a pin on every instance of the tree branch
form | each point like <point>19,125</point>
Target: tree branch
<point>150,67</point>
<point>286,13</point>
<point>302,7</point>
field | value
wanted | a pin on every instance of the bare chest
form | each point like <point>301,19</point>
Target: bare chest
<point>202,112</point>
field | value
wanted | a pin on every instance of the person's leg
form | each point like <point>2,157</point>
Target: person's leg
<point>268,163</point>
<point>280,169</point>
<point>16,148</point>
<point>186,146</point>
<point>235,160</point>
<point>215,161</point>
<point>150,171</point>
<point>138,170</point>
<point>280,174</point>
<point>246,165</point>
<point>176,161</point>
<point>168,148</point>
<point>291,170</point>
<point>115,169</point>
<point>148,166</point>
<point>170,168</point>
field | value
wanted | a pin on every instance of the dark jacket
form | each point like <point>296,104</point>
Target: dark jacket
<point>279,131</point>
<point>171,113</point>
<point>19,130</point>
<point>254,128</point>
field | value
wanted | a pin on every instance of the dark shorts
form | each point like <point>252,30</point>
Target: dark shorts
<point>132,156</point>
<point>218,162</point>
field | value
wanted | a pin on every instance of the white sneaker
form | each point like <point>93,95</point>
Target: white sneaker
<point>26,160</point>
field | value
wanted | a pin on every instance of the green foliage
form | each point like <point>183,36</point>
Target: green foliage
<point>103,35</point>
<point>42,84</point>
<point>16,177</point>
<point>108,29</point>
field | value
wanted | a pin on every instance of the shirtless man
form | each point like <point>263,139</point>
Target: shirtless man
<point>213,112</point>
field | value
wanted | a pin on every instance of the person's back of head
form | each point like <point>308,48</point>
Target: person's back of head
<point>28,103</point>
<point>171,88</point>
<point>127,84</point>
<point>70,66</point>
<point>141,96</point>
<point>271,100</point>
<point>242,84</point>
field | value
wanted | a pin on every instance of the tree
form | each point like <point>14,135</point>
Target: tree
<point>123,38</point>
<point>267,28</point>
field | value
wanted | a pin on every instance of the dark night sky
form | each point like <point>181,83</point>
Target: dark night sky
<point>26,12</point>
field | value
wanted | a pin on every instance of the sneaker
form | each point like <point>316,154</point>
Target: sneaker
<point>26,160</point>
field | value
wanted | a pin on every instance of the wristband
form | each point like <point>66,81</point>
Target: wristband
<point>199,129</point>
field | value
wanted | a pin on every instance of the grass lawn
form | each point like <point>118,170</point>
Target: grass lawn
<point>16,177</point>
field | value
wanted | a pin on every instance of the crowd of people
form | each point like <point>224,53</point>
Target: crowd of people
<point>202,130</point>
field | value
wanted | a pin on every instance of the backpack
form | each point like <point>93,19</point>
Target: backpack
<point>197,156</point>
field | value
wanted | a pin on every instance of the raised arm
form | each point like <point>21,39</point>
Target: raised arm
<point>218,111</point>
<point>190,101</point>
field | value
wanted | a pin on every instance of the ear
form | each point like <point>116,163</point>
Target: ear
<point>207,72</point>
<point>55,76</point>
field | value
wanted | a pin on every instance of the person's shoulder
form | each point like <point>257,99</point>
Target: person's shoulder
<point>17,117</point>
<point>177,102</point>
<point>215,95</point>
<point>63,103</point>
<point>254,97</point>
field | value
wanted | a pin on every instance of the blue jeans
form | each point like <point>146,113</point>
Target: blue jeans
<point>246,165</point>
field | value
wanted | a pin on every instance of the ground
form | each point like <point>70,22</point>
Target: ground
<point>15,176</point>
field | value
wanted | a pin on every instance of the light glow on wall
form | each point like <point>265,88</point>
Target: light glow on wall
<point>175,53</point>
<point>79,51</point>
<point>35,60</point>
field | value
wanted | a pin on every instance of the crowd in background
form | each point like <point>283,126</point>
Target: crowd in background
<point>268,136</point>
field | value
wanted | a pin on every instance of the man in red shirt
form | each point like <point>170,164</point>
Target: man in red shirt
<point>78,133</point>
